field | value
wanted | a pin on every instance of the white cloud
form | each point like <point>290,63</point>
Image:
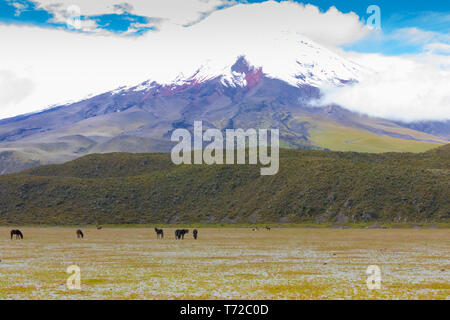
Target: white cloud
<point>20,7</point>
<point>407,88</point>
<point>177,12</point>
<point>418,36</point>
<point>438,47</point>
<point>68,66</point>
<point>14,89</point>
<point>332,27</point>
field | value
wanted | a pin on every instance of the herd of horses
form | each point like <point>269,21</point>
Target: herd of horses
<point>179,233</point>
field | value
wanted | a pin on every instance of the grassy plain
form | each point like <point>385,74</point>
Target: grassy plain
<point>339,138</point>
<point>285,263</point>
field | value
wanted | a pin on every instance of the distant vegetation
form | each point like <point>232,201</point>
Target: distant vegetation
<point>311,186</point>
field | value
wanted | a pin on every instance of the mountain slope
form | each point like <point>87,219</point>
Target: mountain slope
<point>437,128</point>
<point>312,186</point>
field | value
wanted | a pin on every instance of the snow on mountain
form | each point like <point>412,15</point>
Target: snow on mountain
<point>310,64</point>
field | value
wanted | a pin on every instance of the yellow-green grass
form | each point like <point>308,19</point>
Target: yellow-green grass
<point>226,264</point>
<point>407,132</point>
<point>339,138</point>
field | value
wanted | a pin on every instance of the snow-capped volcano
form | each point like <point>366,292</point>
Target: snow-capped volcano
<point>254,90</point>
<point>310,64</point>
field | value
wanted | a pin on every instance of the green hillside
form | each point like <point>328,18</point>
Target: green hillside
<point>311,186</point>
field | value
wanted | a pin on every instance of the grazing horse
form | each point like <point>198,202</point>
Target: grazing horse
<point>80,234</point>
<point>99,227</point>
<point>268,228</point>
<point>17,233</point>
<point>159,233</point>
<point>179,233</point>
<point>195,233</point>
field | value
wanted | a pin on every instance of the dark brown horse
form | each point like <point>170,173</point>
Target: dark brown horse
<point>80,234</point>
<point>179,233</point>
<point>17,233</point>
<point>159,233</point>
<point>99,227</point>
<point>195,234</point>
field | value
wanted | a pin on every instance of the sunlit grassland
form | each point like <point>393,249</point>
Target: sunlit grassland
<point>226,263</point>
<point>338,138</point>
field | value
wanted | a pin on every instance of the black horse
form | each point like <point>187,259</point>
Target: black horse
<point>17,233</point>
<point>268,228</point>
<point>195,233</point>
<point>80,234</point>
<point>159,233</point>
<point>179,233</point>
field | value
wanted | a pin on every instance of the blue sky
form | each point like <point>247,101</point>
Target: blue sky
<point>431,16</point>
<point>31,14</point>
